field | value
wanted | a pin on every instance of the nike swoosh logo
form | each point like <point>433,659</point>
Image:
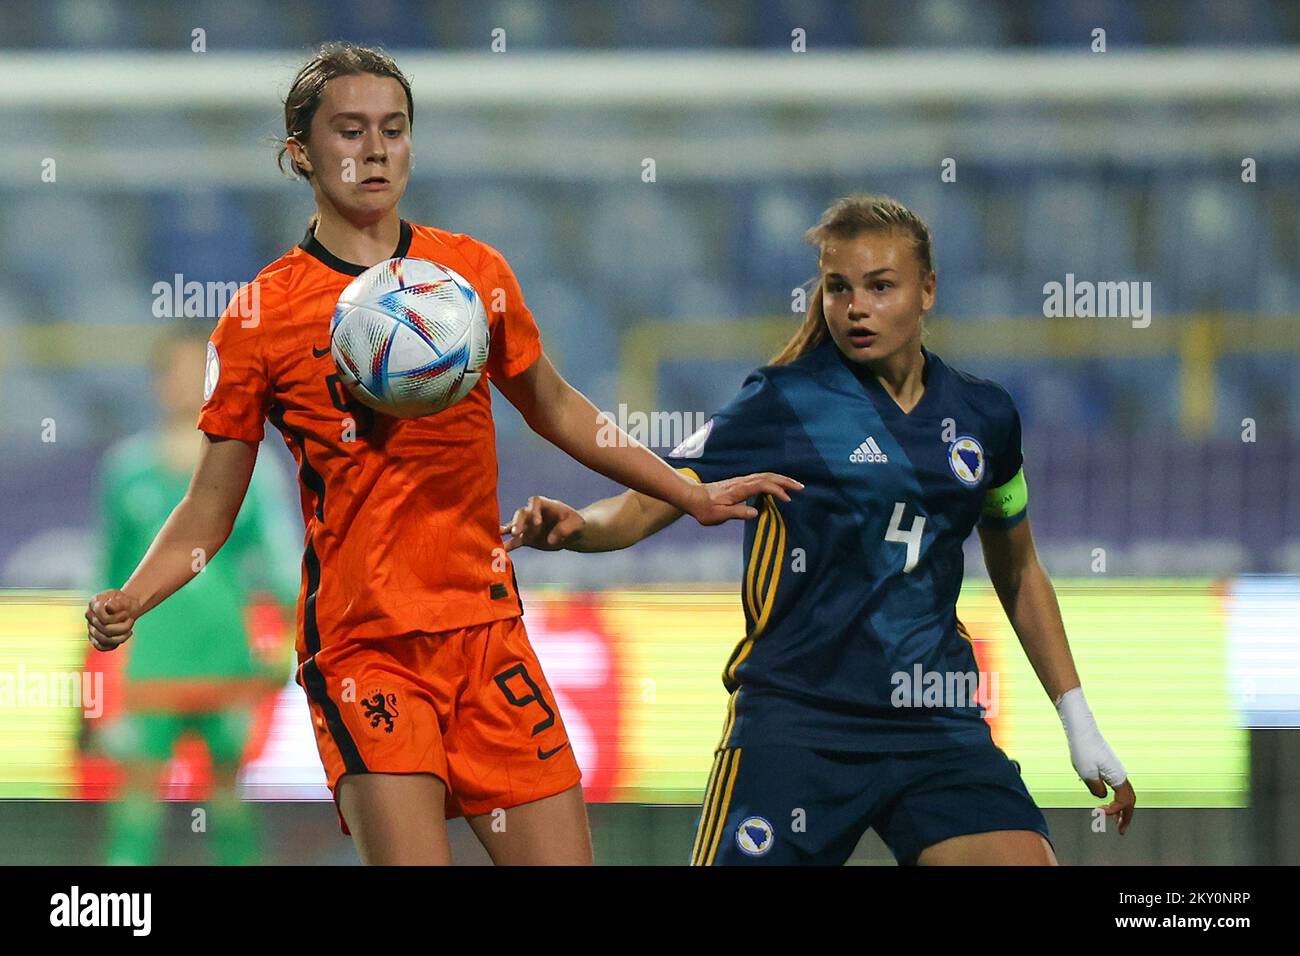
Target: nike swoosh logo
<point>547,754</point>
<point>322,353</point>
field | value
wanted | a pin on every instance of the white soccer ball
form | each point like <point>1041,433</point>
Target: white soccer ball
<point>410,337</point>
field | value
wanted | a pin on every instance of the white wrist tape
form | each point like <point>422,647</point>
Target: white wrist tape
<point>1091,755</point>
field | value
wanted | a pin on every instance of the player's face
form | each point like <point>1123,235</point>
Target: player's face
<point>874,294</point>
<point>359,149</point>
<point>180,383</point>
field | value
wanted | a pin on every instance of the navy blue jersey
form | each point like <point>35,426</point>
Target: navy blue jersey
<point>850,589</point>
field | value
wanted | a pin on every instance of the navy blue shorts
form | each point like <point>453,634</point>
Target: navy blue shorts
<point>795,805</point>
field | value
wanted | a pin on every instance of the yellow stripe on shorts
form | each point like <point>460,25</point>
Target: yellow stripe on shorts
<point>724,807</point>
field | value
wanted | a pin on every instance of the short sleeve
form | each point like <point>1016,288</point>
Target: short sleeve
<point>236,385</point>
<point>516,341</point>
<point>746,435</point>
<point>1007,499</point>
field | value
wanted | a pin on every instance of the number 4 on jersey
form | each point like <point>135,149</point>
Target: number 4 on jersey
<point>911,537</point>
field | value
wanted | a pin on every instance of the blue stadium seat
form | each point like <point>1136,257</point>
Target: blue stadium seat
<point>822,21</point>
<point>14,309</point>
<point>1244,22</point>
<point>1070,23</point>
<point>1261,387</point>
<point>279,214</point>
<point>507,215</point>
<point>528,24</point>
<point>956,229</point>
<point>25,24</point>
<point>100,26</point>
<point>702,386</point>
<point>996,192</point>
<point>578,334</point>
<point>775,258</point>
<point>640,238</point>
<point>670,23</point>
<point>1058,395</point>
<point>1281,200</point>
<point>948,23</point>
<point>87,405</point>
<point>393,24</point>
<point>977,294</point>
<point>1141,394</point>
<point>204,234</point>
<point>1211,246</point>
<point>43,229</point>
<point>701,296</point>
<point>1279,294</point>
<point>241,24</point>
<point>1079,223</point>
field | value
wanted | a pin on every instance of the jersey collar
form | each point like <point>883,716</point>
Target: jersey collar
<point>931,378</point>
<point>313,248</point>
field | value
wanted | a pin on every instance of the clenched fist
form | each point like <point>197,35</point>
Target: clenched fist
<point>110,617</point>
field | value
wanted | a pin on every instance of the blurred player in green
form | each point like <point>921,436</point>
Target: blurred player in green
<point>191,666</point>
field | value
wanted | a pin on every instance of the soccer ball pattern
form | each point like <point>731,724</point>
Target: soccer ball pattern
<point>410,337</point>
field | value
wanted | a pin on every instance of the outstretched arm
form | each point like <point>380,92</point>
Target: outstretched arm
<point>1029,599</point>
<point>612,524</point>
<point>191,536</point>
<point>565,417</point>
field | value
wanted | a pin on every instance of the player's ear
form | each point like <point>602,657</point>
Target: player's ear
<point>298,153</point>
<point>927,292</point>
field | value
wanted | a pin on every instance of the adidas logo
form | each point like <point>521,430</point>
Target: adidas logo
<point>868,452</point>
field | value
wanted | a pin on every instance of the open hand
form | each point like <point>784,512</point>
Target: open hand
<point>720,501</point>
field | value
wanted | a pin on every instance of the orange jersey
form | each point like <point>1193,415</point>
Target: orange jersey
<point>401,514</point>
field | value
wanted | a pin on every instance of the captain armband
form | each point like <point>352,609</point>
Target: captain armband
<point>1006,504</point>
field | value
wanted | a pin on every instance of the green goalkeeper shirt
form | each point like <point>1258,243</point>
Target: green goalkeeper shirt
<point>200,632</point>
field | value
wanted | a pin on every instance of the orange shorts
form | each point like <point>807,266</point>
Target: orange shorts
<point>469,706</point>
